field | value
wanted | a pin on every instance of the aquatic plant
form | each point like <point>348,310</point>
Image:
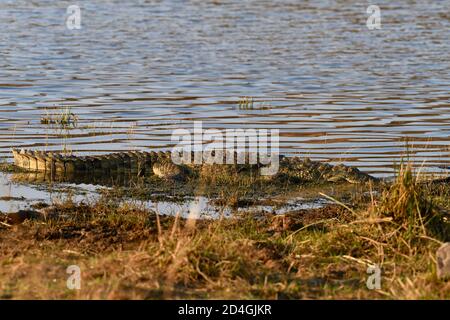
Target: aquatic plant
<point>64,119</point>
<point>249,103</point>
<point>245,103</point>
<point>62,122</point>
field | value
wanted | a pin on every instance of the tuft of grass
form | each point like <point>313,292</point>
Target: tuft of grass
<point>410,204</point>
<point>245,103</point>
<point>248,103</point>
<point>64,119</point>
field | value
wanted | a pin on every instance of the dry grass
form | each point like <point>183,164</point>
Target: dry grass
<point>127,252</point>
<point>410,204</point>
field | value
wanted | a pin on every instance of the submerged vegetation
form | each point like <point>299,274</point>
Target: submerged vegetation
<point>126,251</point>
<point>64,118</point>
<point>245,103</point>
<point>62,122</point>
<point>249,103</point>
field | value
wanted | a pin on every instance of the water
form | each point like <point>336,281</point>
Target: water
<point>202,207</point>
<point>139,69</point>
<point>16,195</point>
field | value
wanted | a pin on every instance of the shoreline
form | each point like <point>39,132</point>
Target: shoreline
<point>126,252</point>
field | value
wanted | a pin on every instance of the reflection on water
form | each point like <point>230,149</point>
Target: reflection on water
<point>139,69</point>
<point>95,178</point>
<point>201,207</point>
<point>17,196</point>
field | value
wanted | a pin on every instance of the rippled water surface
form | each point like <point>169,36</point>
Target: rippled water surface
<point>139,69</point>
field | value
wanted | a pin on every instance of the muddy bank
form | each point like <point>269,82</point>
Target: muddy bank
<point>124,252</point>
<point>222,196</point>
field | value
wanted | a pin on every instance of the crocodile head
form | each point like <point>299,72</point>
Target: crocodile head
<point>306,170</point>
<point>342,173</point>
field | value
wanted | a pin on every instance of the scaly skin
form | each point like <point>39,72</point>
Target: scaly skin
<point>160,164</point>
<point>306,170</point>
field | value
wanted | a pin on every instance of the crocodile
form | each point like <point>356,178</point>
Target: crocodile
<point>160,164</point>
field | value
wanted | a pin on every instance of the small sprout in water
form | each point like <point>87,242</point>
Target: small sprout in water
<point>65,118</point>
<point>245,103</point>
